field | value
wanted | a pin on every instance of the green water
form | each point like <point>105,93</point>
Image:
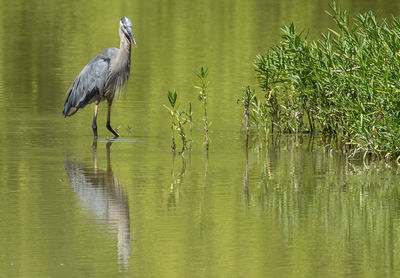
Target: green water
<point>129,208</point>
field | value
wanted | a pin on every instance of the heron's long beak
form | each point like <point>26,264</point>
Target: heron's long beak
<point>131,35</point>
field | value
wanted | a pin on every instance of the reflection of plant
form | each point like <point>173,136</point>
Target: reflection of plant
<point>202,75</point>
<point>176,181</point>
<point>189,114</point>
<point>178,119</point>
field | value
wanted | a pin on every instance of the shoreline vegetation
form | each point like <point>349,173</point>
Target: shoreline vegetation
<point>344,86</point>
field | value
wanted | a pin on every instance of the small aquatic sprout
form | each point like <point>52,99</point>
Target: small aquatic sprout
<point>248,96</point>
<point>172,96</point>
<point>178,120</point>
<point>202,75</point>
<point>255,112</point>
<point>129,129</point>
<point>189,114</point>
<point>182,120</point>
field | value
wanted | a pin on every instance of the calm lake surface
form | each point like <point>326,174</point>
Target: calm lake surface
<point>129,207</point>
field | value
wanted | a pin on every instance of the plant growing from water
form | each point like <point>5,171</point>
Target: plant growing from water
<point>189,114</point>
<point>202,75</point>
<point>344,85</point>
<point>172,96</point>
<point>247,98</point>
<point>255,112</point>
<point>178,120</point>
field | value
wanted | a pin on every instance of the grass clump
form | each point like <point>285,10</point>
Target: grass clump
<point>344,85</point>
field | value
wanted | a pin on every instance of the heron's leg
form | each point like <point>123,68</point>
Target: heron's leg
<point>94,124</point>
<point>108,119</point>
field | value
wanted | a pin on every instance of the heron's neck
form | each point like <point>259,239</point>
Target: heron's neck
<point>125,47</point>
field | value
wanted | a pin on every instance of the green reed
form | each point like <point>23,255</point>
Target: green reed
<point>346,84</point>
<point>247,98</point>
<point>203,93</point>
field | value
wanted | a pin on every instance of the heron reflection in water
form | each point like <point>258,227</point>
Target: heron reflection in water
<point>103,195</point>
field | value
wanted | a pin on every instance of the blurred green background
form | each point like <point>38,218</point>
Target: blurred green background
<point>131,208</point>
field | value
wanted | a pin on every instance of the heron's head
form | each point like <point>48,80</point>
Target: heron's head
<point>126,27</point>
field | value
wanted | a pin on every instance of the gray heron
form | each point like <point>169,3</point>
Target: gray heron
<point>103,77</point>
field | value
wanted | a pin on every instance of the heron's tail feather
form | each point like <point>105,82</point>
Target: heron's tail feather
<point>69,105</point>
<point>77,100</point>
<point>69,111</point>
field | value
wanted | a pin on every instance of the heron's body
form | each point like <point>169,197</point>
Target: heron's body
<point>102,78</point>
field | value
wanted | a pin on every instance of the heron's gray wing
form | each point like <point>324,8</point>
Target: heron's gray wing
<point>90,82</point>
